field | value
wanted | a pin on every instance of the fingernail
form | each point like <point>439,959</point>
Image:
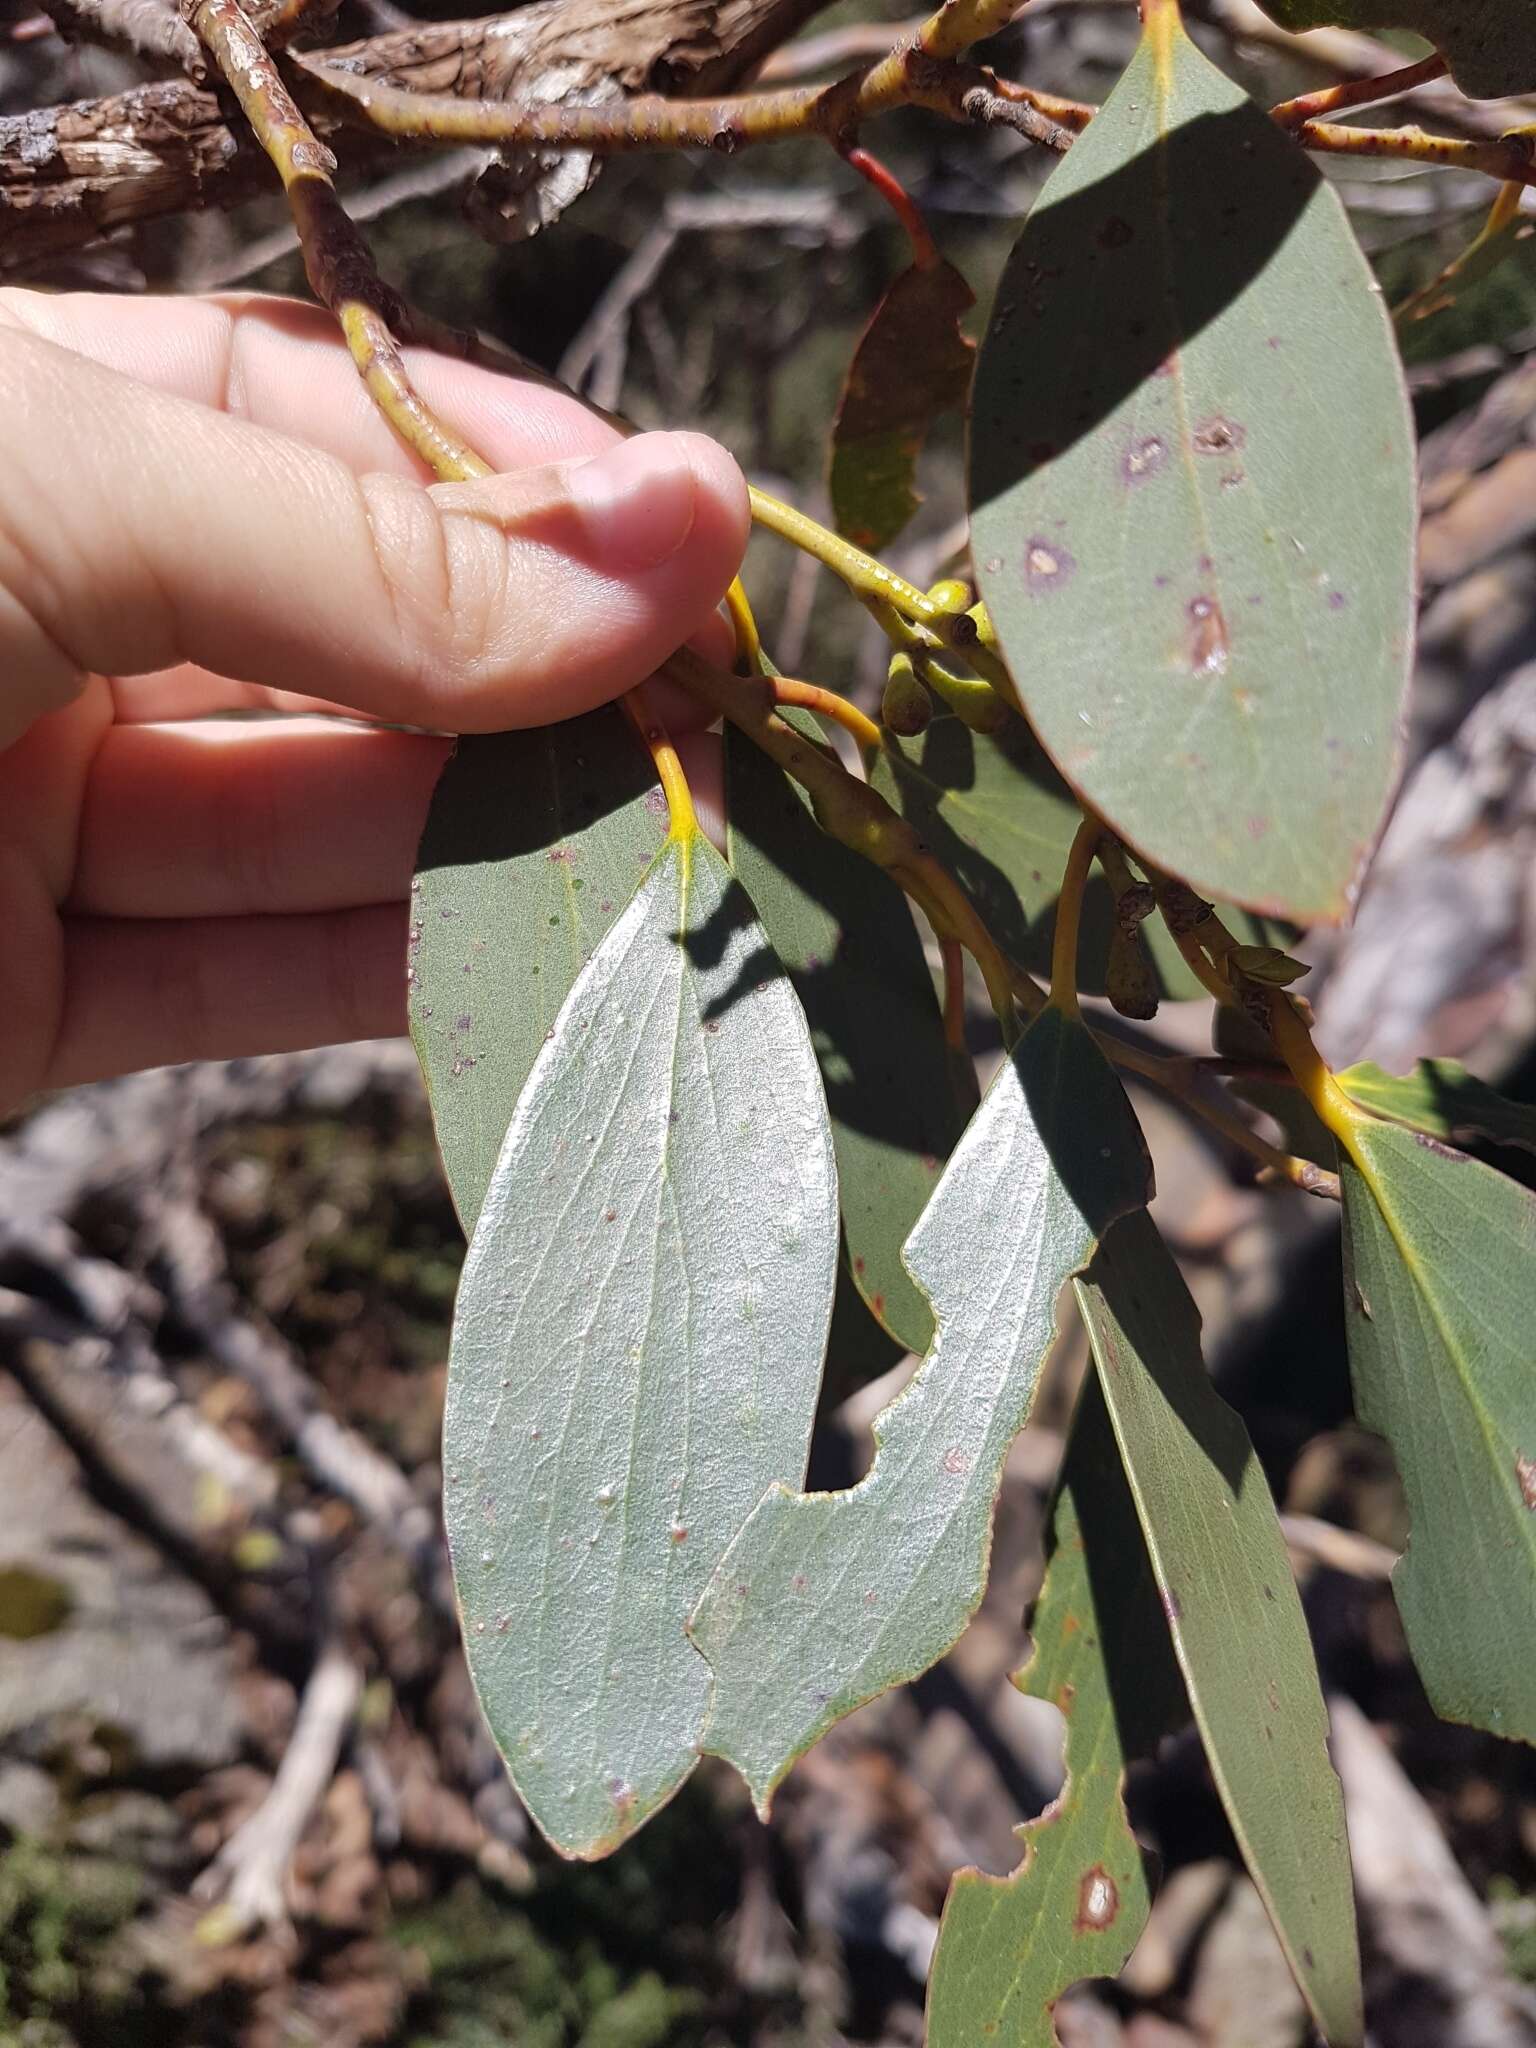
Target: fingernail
<point>636,501</point>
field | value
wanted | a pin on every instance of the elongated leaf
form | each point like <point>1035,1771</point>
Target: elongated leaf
<point>1075,1907</point>
<point>1001,819</point>
<point>1188,528</point>
<point>637,1346</point>
<point>912,364</point>
<point>1490,44</point>
<point>1442,1098</point>
<point>1238,1630</point>
<point>1440,1293</point>
<point>845,934</point>
<point>534,843</point>
<point>826,1600</point>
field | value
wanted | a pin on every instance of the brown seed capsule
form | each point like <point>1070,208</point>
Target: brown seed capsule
<point>1129,981</point>
<point>1133,906</point>
<point>1183,910</point>
<point>906,707</point>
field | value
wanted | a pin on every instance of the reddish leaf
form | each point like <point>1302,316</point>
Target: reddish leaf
<point>912,363</point>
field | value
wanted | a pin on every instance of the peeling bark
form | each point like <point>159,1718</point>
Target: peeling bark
<point>71,174</point>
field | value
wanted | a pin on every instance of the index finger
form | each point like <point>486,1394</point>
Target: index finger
<point>282,364</point>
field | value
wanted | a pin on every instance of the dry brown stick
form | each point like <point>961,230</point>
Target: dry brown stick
<point>152,28</point>
<point>71,174</point>
<point>250,1873</point>
<point>344,1462</point>
<point>427,179</point>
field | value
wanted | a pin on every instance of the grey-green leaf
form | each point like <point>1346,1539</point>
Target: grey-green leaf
<point>1001,819</point>
<point>1440,1295</point>
<point>534,843</point>
<point>1232,1608</point>
<point>638,1345</point>
<point>845,934</point>
<point>1490,44</point>
<point>1187,532</point>
<point>826,1600</point>
<point>1076,1906</point>
<point>1442,1098</point>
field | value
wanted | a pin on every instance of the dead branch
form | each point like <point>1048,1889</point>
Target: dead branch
<point>688,213</point>
<point>336,1456</point>
<point>69,175</point>
<point>250,1872</point>
<point>1340,1550</point>
<point>152,28</point>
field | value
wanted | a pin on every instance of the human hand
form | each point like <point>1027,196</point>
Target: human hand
<point>201,512</point>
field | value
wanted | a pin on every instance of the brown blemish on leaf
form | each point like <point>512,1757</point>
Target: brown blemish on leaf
<point>1219,436</point>
<point>1098,1902</point>
<point>1171,1608</point>
<point>1361,1303</point>
<point>1143,459</point>
<point>1046,567</point>
<point>1525,1473</point>
<point>799,1583</point>
<point>1208,643</point>
<point>622,1793</point>
<point>956,1462</point>
<point>1441,1151</point>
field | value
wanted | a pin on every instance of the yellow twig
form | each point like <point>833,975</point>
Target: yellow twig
<point>682,819</point>
<point>811,697</point>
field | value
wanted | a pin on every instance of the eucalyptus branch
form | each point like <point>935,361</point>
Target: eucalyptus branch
<point>1177,1076</point>
<point>1356,92</point>
<point>827,704</point>
<point>1511,158</point>
<point>850,811</point>
<point>682,819</point>
<point>962,92</point>
<point>337,259</point>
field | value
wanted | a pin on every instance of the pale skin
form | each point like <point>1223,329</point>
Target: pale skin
<point>201,512</point>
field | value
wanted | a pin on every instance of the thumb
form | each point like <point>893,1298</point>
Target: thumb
<point>138,530</point>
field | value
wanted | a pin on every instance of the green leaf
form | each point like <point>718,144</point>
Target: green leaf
<point>1188,529</point>
<point>1238,1630</point>
<point>912,363</point>
<point>826,1600</point>
<point>637,1345</point>
<point>1489,44</point>
<point>534,843</point>
<point>1075,1907</point>
<point>1444,1099</point>
<point>843,931</point>
<point>1440,1295</point>
<point>1001,819</point>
